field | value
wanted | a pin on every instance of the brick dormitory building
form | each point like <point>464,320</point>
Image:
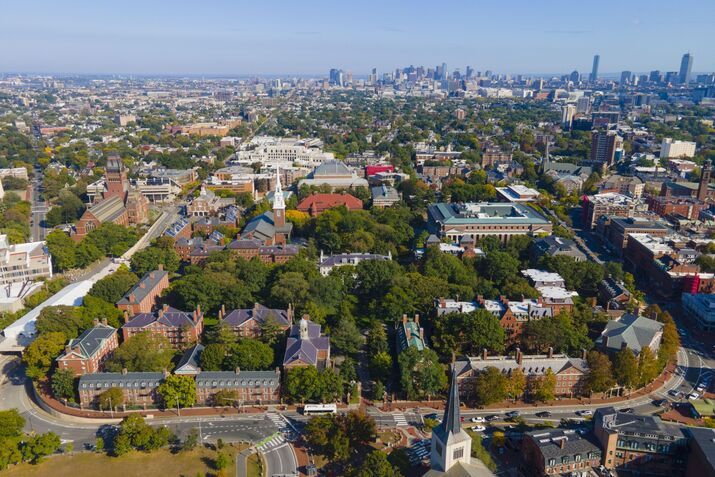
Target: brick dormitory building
<point>182,328</point>
<point>142,297</point>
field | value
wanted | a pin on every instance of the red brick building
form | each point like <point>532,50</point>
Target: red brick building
<point>87,353</point>
<point>316,204</point>
<point>143,296</point>
<point>248,322</point>
<point>180,327</point>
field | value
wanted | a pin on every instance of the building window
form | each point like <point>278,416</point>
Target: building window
<point>458,453</point>
<point>439,448</point>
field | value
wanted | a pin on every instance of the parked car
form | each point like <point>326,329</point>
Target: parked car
<point>479,428</point>
<point>693,396</point>
<point>627,410</point>
<point>543,414</point>
<point>584,412</point>
<point>477,419</point>
<point>434,416</point>
<point>493,417</point>
<point>660,402</point>
<point>700,388</point>
<point>513,414</point>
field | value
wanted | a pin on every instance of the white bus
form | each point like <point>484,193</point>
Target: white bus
<point>320,409</point>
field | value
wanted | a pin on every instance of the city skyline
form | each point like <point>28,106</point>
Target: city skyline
<point>222,38</point>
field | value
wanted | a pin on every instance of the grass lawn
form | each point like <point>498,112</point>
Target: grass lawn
<point>159,463</point>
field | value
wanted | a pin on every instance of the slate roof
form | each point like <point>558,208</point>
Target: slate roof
<point>262,227</point>
<point>240,379</point>
<point>169,317</point>
<point>530,364</point>
<point>258,313</point>
<point>120,380</point>
<point>305,350</point>
<point>484,213</point>
<point>553,245</point>
<point>189,362</point>
<point>548,442</point>
<point>350,259</point>
<point>704,439</point>
<point>108,209</point>
<point>149,282</point>
<point>89,342</point>
<point>635,331</point>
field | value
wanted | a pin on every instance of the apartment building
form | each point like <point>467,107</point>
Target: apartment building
<point>249,322</point>
<point>180,327</point>
<point>246,387</point>
<point>142,297</point>
<point>138,388</point>
<point>86,353</point>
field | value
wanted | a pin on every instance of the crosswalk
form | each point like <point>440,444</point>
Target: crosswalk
<point>278,420</point>
<point>400,419</point>
<point>272,443</point>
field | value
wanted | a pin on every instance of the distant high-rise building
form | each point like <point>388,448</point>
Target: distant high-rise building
<point>672,77</point>
<point>334,76</point>
<point>603,147</point>
<point>583,105</point>
<point>686,67</point>
<point>626,77</point>
<point>594,70</point>
<point>655,76</point>
<point>470,72</point>
<point>574,77</point>
<point>567,113</point>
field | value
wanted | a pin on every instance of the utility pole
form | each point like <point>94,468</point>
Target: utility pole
<point>178,410</point>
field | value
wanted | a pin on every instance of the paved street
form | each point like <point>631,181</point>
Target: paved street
<point>39,208</point>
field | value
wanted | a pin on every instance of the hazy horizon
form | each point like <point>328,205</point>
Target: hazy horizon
<point>222,38</point>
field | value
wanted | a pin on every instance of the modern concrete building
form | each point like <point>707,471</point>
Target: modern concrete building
<point>676,149</point>
<point>23,262</point>
<point>479,220</point>
<point>604,145</point>
<point>701,307</point>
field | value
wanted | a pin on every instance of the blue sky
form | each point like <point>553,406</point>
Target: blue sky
<point>309,37</point>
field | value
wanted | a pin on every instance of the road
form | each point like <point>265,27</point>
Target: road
<point>39,208</point>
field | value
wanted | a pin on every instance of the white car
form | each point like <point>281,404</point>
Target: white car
<point>477,419</point>
<point>479,428</point>
<point>694,396</point>
<point>700,388</point>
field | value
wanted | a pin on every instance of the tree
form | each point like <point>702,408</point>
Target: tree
<point>61,318</point>
<point>378,391</point>
<point>376,339</point>
<point>151,257</point>
<point>291,287</point>
<point>381,365</point>
<point>63,384</point>
<point>647,366</point>
<point>516,386</point>
<point>301,383</point>
<point>225,397</point>
<point>346,337</point>
<point>63,250</point>
<point>490,386</point>
<point>36,447</point>
<point>376,465</point>
<point>191,440</point>
<point>468,333</point>
<point>421,374</point>
<point>212,357</point>
<point>112,398</point>
<point>11,423</point>
<point>543,388</point>
<point>113,287</point>
<point>178,390</point>
<point>41,353</point>
<point>600,375</point>
<point>222,461</point>
<point>250,354</point>
<point>145,351</point>
<point>625,368</point>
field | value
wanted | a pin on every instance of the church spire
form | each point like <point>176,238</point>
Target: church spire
<point>452,421</point>
<point>278,199</point>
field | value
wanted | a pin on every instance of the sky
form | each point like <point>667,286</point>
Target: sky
<point>308,37</point>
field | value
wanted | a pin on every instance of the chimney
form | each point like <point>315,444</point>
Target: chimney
<point>152,275</point>
<point>165,372</point>
<point>142,285</point>
<point>124,371</point>
<point>126,316</point>
<point>68,349</point>
<point>584,353</point>
<point>165,307</point>
<point>484,354</point>
<point>161,267</point>
<point>551,352</point>
<point>422,334</point>
<point>404,319</point>
<point>442,302</point>
<point>104,321</point>
<point>290,313</point>
<point>220,313</point>
<point>95,321</point>
<point>519,357</point>
<point>540,300</point>
<point>417,319</point>
<point>223,310</point>
<point>562,443</point>
<point>132,298</point>
<point>238,370</point>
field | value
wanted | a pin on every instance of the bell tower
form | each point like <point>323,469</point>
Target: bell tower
<point>451,445</point>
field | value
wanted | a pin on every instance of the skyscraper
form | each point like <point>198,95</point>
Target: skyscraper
<point>686,66</point>
<point>444,71</point>
<point>567,113</point>
<point>603,148</point>
<point>626,77</point>
<point>594,70</point>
